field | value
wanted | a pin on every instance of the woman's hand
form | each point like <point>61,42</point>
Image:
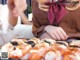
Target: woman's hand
<point>16,6</point>
<point>42,5</point>
<point>20,5</point>
<point>56,33</point>
<point>12,8</point>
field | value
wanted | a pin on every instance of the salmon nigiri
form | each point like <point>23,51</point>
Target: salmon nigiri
<point>61,46</point>
<point>72,54</point>
<point>39,50</point>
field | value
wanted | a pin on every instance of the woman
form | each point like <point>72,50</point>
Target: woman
<point>41,23</point>
<point>67,26</point>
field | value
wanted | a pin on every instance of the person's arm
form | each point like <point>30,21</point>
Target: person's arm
<point>12,19</point>
<point>16,7</point>
<point>37,29</point>
<point>24,18</point>
<point>12,16</point>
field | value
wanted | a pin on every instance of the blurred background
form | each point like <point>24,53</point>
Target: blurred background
<point>20,30</point>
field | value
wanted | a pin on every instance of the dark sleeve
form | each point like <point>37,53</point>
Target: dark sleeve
<point>76,16</point>
<point>37,28</point>
<point>71,24</point>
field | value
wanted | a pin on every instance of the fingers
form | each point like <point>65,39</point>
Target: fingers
<point>20,5</point>
<point>61,35</point>
<point>52,36</point>
<point>16,6</point>
<point>57,33</point>
<point>23,7</point>
<point>56,36</point>
<point>64,33</point>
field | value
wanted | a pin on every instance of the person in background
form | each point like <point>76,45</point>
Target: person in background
<point>3,2</point>
<point>50,20</point>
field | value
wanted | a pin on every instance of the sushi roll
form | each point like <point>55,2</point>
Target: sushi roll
<point>39,50</point>
<point>61,46</point>
<point>17,48</point>
<point>72,54</point>
<point>52,55</point>
<point>75,43</point>
<point>35,40</point>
